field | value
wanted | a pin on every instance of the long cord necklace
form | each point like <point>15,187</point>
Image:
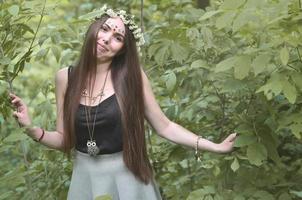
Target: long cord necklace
<point>92,148</point>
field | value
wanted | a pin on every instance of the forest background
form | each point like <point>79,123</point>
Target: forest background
<point>232,65</point>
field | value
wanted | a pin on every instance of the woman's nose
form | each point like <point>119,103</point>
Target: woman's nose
<point>105,38</point>
<point>105,41</point>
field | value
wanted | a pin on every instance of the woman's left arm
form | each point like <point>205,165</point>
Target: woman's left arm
<point>174,132</point>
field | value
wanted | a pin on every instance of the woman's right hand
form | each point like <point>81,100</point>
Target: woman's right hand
<point>21,113</point>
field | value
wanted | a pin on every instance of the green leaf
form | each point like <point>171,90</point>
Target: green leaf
<point>232,4</point>
<point>13,10</point>
<point>16,136</point>
<point>235,165</point>
<point>256,154</point>
<point>153,48</point>
<point>296,130</point>
<point>5,61</point>
<point>242,67</point>
<point>242,19</point>
<point>273,86</point>
<point>244,140</point>
<point>297,79</point>
<point>284,56</point>
<point>104,197</point>
<point>179,53</point>
<point>297,193</point>
<point>260,63</point>
<point>41,54</point>
<point>56,52</point>
<point>170,80</point>
<point>161,55</point>
<point>92,15</point>
<point>239,197</point>
<point>289,91</point>
<point>196,194</point>
<point>198,64</point>
<point>284,196</point>
<point>209,14</point>
<point>263,195</point>
<point>225,20</point>
<point>226,64</point>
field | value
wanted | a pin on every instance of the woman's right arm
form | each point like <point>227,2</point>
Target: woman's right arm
<point>52,139</point>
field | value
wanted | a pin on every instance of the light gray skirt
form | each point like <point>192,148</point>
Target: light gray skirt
<point>107,175</point>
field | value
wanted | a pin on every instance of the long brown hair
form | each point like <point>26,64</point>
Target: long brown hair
<point>127,83</point>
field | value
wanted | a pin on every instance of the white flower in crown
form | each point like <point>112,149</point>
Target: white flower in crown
<point>122,12</point>
<point>111,13</point>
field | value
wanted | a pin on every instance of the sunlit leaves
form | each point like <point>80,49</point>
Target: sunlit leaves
<point>16,136</point>
<point>225,20</point>
<point>232,4</point>
<point>170,79</point>
<point>289,91</point>
<point>235,165</point>
<point>242,67</point>
<point>276,84</point>
<point>232,66</point>
<point>179,53</point>
<point>260,63</point>
<point>209,14</point>
<point>226,64</point>
<point>13,10</point>
<point>284,55</point>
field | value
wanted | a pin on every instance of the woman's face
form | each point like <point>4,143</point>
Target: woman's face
<point>110,39</point>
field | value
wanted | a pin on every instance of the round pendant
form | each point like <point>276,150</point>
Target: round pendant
<point>92,148</point>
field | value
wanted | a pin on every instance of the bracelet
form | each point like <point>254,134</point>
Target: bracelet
<point>197,154</point>
<point>41,137</point>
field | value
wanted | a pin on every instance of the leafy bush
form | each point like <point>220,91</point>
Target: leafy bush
<point>235,66</point>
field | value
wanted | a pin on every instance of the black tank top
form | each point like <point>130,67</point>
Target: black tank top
<point>108,126</point>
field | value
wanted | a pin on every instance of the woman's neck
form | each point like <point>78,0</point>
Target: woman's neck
<point>103,67</point>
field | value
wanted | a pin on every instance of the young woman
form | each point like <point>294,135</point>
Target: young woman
<point>101,105</point>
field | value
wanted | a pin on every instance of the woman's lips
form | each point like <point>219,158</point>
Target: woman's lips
<point>102,48</point>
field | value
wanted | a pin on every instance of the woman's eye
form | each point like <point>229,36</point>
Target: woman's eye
<point>119,38</point>
<point>103,28</point>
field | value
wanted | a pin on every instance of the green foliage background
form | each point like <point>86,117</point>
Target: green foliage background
<point>235,66</point>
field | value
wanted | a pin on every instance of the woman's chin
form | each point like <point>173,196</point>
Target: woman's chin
<point>103,58</point>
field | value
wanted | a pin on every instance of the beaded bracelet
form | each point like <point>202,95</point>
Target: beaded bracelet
<point>197,154</point>
<point>41,137</point>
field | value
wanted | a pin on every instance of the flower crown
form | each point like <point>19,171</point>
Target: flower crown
<point>126,18</point>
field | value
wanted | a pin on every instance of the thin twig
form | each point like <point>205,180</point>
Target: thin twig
<point>222,106</point>
<point>249,104</point>
<point>299,54</point>
<point>142,16</point>
<point>292,67</point>
<point>1,51</point>
<point>32,42</point>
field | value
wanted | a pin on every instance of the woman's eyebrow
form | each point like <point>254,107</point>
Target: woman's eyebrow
<point>107,26</point>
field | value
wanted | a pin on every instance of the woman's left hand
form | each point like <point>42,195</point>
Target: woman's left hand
<point>227,145</point>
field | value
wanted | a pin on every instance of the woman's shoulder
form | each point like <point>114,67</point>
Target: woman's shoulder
<point>62,76</point>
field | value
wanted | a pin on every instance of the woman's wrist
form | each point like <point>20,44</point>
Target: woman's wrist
<point>36,133</point>
<point>207,145</point>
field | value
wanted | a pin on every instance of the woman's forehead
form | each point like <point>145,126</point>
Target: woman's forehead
<point>116,24</point>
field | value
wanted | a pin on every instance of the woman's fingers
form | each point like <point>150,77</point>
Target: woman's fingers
<point>16,100</point>
<point>232,137</point>
<point>16,114</point>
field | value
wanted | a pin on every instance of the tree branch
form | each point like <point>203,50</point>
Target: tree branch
<point>32,42</point>
<point>299,51</point>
